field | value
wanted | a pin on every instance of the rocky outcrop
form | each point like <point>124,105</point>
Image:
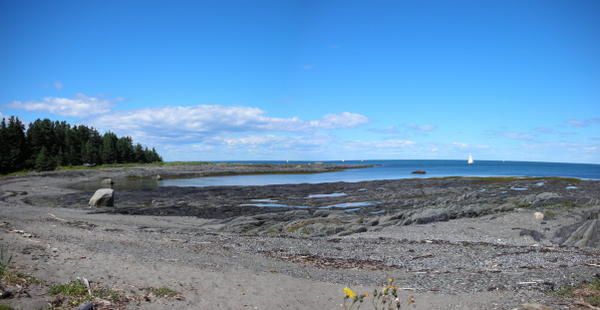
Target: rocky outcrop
<point>585,233</point>
<point>103,197</point>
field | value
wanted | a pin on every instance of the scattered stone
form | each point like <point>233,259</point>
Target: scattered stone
<point>103,197</point>
<point>539,216</point>
<point>158,177</point>
<point>86,306</point>
<point>107,183</point>
<point>5,294</point>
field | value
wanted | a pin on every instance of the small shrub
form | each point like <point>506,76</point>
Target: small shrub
<point>5,259</point>
<point>162,292</point>
<point>72,289</point>
<point>588,292</point>
<point>388,297</point>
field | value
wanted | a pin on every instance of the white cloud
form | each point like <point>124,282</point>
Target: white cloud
<point>58,85</point>
<point>383,144</point>
<point>341,120</point>
<point>308,67</point>
<point>80,106</point>
<point>185,123</point>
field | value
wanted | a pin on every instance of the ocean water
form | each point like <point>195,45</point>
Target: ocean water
<point>400,169</point>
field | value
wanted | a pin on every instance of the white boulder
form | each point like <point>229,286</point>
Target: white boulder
<point>103,197</point>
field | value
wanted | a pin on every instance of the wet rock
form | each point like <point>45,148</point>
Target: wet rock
<point>107,183</point>
<point>86,306</point>
<point>321,213</point>
<point>103,197</point>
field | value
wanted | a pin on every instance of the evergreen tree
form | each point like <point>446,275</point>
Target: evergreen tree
<point>4,150</point>
<point>139,155</point>
<point>16,143</point>
<point>125,150</point>
<point>109,148</point>
<point>44,161</point>
<point>47,144</point>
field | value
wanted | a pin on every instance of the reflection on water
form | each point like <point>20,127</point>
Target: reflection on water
<point>272,205</point>
<point>332,195</point>
<point>265,205</point>
<point>345,205</point>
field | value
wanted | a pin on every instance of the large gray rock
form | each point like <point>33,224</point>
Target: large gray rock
<point>585,233</point>
<point>103,197</point>
<point>107,183</point>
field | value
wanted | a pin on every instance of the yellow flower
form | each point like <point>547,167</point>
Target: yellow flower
<point>349,293</point>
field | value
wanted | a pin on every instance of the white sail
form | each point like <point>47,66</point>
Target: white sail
<point>470,160</point>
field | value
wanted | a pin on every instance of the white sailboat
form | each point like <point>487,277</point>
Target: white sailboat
<point>470,160</point>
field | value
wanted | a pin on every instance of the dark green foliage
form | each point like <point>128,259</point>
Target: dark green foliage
<point>47,144</point>
<point>109,148</point>
<point>44,162</point>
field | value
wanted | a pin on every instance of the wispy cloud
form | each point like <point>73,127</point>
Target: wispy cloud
<point>79,106</point>
<point>469,146</point>
<point>580,123</point>
<point>308,66</point>
<point>58,85</point>
<point>382,144</point>
<point>421,127</point>
<point>409,128</point>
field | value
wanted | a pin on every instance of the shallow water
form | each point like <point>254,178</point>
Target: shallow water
<point>332,195</point>
<point>401,169</point>
<point>346,205</point>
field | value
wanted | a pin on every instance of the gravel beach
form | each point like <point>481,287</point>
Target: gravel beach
<point>453,243</point>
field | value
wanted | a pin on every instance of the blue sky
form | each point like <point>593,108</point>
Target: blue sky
<point>314,80</point>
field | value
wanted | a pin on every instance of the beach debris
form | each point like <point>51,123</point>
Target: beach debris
<point>103,197</point>
<point>86,283</point>
<point>107,183</point>
<point>22,233</point>
<point>538,216</point>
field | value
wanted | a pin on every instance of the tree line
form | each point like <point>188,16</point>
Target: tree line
<point>47,144</point>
